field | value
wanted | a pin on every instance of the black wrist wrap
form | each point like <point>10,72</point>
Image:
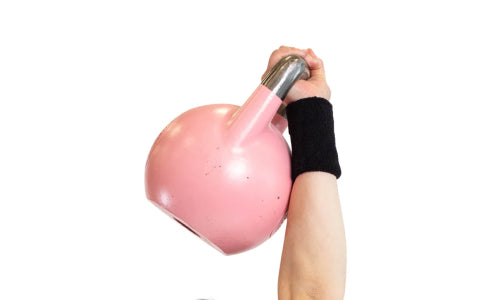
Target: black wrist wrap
<point>310,124</point>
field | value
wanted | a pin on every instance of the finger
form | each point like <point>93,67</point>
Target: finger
<point>316,66</point>
<point>281,52</point>
<point>278,54</point>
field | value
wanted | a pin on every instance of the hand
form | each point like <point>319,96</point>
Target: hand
<point>314,86</point>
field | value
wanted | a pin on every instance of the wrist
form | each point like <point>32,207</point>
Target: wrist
<point>294,95</point>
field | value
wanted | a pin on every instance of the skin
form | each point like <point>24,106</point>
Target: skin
<point>313,262</point>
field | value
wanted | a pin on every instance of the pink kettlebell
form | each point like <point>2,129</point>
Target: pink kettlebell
<point>223,171</point>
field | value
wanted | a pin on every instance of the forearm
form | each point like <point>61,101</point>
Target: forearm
<point>313,263</point>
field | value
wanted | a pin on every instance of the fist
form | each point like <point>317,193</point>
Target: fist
<point>315,86</point>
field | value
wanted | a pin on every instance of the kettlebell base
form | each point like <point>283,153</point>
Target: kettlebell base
<point>185,225</point>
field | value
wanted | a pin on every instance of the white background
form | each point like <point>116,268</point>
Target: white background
<point>86,86</point>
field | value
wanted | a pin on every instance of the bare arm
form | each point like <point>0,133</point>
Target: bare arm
<point>313,262</point>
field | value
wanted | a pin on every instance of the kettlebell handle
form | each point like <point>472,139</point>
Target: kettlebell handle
<point>285,73</point>
<point>262,106</point>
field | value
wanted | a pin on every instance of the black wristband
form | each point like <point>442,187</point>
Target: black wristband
<point>310,124</point>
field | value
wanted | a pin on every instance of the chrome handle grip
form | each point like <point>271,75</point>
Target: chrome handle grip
<point>285,73</point>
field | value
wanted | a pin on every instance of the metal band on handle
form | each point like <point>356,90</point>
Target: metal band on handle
<point>283,75</point>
